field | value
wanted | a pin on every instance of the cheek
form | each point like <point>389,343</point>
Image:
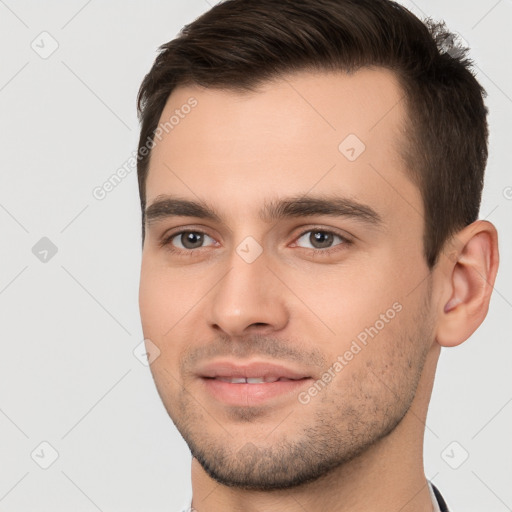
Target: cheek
<point>157,318</point>
<point>378,372</point>
<point>349,301</point>
<point>151,303</point>
<point>367,313</point>
<point>166,305</point>
<point>164,297</point>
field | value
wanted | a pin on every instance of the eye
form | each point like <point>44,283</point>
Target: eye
<point>321,239</point>
<point>187,240</point>
<point>317,240</point>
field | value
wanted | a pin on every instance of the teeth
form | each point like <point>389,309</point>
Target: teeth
<point>232,380</point>
<point>255,380</point>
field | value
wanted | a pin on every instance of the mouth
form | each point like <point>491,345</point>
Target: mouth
<point>250,384</point>
<point>252,380</point>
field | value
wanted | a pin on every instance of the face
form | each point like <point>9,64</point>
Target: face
<point>283,281</point>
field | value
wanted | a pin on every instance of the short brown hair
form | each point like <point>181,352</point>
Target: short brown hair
<point>239,44</point>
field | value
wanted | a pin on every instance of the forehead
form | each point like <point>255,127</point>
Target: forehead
<point>309,130</point>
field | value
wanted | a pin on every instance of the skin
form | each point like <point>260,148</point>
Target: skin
<point>356,445</point>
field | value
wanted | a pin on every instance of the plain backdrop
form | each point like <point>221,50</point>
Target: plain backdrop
<point>73,395</point>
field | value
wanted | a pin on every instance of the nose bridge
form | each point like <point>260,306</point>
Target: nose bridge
<point>248,293</point>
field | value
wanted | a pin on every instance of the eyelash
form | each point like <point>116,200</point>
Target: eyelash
<point>167,242</point>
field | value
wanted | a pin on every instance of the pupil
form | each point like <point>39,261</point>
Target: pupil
<point>192,240</point>
<point>321,239</point>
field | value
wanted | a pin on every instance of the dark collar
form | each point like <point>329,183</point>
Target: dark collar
<point>440,500</point>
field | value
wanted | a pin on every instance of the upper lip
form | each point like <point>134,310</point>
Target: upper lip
<point>249,370</point>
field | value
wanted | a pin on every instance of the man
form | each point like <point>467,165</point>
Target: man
<point>310,177</point>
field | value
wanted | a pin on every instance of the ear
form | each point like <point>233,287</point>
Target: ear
<point>469,269</point>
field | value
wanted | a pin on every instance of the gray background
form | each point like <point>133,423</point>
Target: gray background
<point>70,324</point>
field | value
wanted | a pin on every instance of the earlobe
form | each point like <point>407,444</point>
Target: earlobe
<point>470,274</point>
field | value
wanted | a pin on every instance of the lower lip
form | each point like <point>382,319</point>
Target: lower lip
<point>251,394</point>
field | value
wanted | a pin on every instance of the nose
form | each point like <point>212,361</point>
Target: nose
<point>249,297</point>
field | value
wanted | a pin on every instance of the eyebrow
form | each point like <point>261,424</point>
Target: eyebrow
<point>165,206</point>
